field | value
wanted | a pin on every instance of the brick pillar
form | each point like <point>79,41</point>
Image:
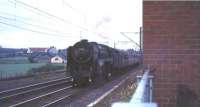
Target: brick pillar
<point>172,46</point>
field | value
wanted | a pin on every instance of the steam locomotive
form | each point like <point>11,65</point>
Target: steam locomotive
<point>90,62</point>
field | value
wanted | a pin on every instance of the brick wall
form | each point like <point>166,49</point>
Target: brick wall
<point>172,46</point>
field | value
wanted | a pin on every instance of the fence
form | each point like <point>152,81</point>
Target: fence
<point>143,94</point>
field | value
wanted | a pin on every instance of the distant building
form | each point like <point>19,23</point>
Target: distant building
<point>32,50</point>
<point>52,51</point>
<point>11,52</point>
<point>57,59</point>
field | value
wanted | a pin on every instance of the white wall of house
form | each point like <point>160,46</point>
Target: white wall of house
<point>57,59</point>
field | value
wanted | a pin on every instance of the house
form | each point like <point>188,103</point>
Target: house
<point>52,51</point>
<point>57,59</point>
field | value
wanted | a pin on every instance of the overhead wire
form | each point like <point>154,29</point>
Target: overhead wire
<point>29,21</point>
<point>42,27</point>
<point>40,12</point>
<point>43,13</point>
<point>131,40</point>
<point>44,41</point>
<point>14,15</point>
<point>31,30</point>
<point>33,10</point>
<point>25,18</point>
<point>56,17</point>
<point>74,9</point>
<point>48,14</point>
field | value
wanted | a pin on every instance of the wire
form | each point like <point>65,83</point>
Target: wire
<point>14,15</point>
<point>55,31</point>
<point>22,18</point>
<point>130,39</point>
<point>48,14</point>
<point>67,4</point>
<point>35,31</point>
<point>26,19</point>
<point>74,9</point>
<point>101,35</point>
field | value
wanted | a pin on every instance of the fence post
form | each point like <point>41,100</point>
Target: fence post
<point>143,94</point>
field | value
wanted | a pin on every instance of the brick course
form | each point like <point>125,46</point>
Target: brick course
<point>172,46</point>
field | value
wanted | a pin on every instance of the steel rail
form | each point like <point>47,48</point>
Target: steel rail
<point>33,85</point>
<point>56,101</point>
<point>35,98</point>
<point>36,89</point>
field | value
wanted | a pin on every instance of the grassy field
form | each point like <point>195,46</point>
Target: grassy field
<point>16,66</point>
<point>13,70</point>
<point>14,60</point>
<point>7,70</point>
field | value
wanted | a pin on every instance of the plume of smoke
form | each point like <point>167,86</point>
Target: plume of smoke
<point>104,20</point>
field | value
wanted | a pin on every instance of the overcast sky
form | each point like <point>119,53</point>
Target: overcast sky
<point>60,23</point>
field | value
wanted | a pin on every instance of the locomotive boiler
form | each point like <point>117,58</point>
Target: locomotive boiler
<point>90,62</point>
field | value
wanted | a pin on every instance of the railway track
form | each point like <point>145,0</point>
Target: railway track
<point>37,95</point>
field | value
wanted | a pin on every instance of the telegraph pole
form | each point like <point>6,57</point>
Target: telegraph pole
<point>114,45</point>
<point>124,34</point>
<point>140,42</point>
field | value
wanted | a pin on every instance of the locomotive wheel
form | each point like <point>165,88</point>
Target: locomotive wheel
<point>78,83</point>
<point>74,84</point>
<point>109,75</point>
<point>90,79</point>
<point>81,83</point>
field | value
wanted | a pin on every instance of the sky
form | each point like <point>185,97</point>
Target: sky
<point>61,23</point>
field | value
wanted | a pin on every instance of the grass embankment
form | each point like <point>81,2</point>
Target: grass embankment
<point>124,91</point>
<point>46,68</point>
<point>20,66</point>
<point>122,94</point>
<point>13,70</point>
<point>14,60</point>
